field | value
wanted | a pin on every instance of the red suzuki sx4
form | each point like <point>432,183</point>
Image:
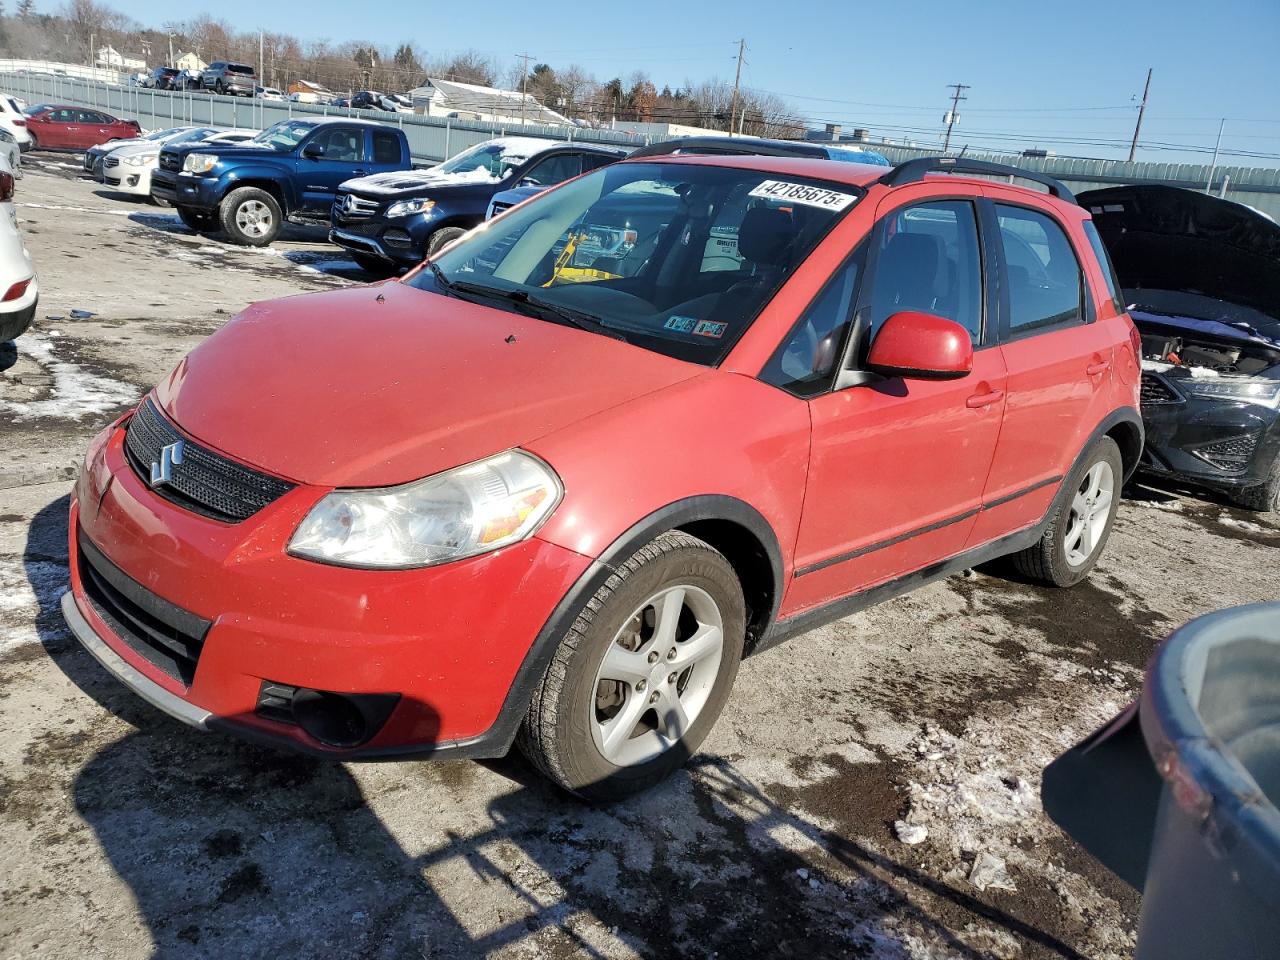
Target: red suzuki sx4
<point>550,488</point>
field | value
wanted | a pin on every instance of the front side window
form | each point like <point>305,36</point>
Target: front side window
<point>1045,281</point>
<point>343,144</point>
<point>627,252</point>
<point>555,169</point>
<point>807,358</point>
<point>285,135</point>
<point>929,261</point>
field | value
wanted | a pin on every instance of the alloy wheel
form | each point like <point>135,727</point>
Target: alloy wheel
<point>1090,513</point>
<point>254,219</point>
<point>657,675</point>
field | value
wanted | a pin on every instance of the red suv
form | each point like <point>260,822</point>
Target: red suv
<point>55,127</point>
<point>553,485</point>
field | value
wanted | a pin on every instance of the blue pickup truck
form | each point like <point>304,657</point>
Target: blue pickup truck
<point>290,171</point>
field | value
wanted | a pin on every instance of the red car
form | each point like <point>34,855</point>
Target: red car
<point>552,486</point>
<point>57,127</point>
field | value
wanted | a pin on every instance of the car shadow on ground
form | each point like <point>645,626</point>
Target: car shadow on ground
<point>234,850</point>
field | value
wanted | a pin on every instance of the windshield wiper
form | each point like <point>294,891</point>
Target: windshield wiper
<point>537,306</point>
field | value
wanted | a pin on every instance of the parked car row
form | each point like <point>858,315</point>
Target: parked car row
<point>127,165</point>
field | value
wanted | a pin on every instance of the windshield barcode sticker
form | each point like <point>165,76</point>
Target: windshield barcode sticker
<point>803,193</point>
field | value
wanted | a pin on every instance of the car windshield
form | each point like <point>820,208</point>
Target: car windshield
<point>858,156</point>
<point>188,136</point>
<point>676,258</point>
<point>285,135</point>
<point>493,159</point>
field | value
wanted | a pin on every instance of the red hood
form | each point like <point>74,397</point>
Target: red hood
<point>339,389</point>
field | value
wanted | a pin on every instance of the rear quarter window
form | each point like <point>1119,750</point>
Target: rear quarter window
<point>1108,268</point>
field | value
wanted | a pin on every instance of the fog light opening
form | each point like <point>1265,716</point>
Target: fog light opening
<point>331,718</point>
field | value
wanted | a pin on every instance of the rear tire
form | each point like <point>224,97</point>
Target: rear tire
<point>674,609</point>
<point>250,217</point>
<point>1265,497</point>
<point>35,143</point>
<point>441,237</point>
<point>1078,530</point>
<point>198,220</point>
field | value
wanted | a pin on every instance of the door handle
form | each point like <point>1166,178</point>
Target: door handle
<point>1094,369</point>
<point>984,399</point>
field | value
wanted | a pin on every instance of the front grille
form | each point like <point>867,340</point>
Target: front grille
<point>160,632</point>
<point>170,161</point>
<point>1155,391</point>
<point>1231,455</point>
<point>350,207</point>
<point>205,482</point>
<point>111,162</point>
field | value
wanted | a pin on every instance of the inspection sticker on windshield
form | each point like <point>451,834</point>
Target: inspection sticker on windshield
<point>803,193</point>
<point>681,324</point>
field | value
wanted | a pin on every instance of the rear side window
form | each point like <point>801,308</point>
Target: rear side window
<point>1046,284</point>
<point>240,68</point>
<point>1108,268</point>
<point>386,147</point>
<point>930,261</point>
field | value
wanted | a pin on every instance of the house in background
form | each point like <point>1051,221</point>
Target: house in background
<point>189,61</point>
<point>467,101</point>
<point>111,57</point>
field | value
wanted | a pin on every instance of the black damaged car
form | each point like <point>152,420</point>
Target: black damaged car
<point>1202,278</point>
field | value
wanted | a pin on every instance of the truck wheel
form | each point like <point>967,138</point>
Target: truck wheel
<point>219,88</point>
<point>441,237</point>
<point>250,217</point>
<point>1266,496</point>
<point>643,673</point>
<point>198,220</point>
<point>1078,531</point>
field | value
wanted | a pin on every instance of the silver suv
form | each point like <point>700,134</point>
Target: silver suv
<point>227,77</point>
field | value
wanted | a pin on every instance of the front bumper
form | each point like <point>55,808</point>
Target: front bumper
<point>402,241</point>
<point>127,179</point>
<point>435,637</point>
<point>1219,444</point>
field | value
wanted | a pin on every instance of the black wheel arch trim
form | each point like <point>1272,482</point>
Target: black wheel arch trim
<point>497,740</point>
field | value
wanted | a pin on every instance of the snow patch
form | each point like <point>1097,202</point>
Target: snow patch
<point>75,393</point>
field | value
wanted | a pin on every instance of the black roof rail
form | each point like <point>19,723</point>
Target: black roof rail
<point>914,171</point>
<point>726,145</point>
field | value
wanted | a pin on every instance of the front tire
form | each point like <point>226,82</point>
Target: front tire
<point>1266,496</point>
<point>444,235</point>
<point>250,217</point>
<point>1079,529</point>
<point>641,676</point>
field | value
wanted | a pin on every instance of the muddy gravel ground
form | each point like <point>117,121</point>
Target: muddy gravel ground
<point>125,834</point>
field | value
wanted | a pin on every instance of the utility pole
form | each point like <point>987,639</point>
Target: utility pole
<point>952,114</point>
<point>171,49</point>
<point>1213,167</point>
<point>1133,147</point>
<point>524,82</point>
<point>737,78</point>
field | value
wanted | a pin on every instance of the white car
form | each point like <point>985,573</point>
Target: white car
<point>268,93</point>
<point>128,168</point>
<point>18,288</point>
<point>15,121</point>
<point>10,153</point>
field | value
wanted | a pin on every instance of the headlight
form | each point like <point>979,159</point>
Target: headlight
<point>407,208</point>
<point>199,162</point>
<point>1264,392</point>
<point>141,160</point>
<point>459,513</point>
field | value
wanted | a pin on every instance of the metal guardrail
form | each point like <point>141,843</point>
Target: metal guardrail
<point>431,139</point>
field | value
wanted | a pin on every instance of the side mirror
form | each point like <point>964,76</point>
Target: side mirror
<point>921,346</point>
<point>529,182</point>
<point>313,151</point>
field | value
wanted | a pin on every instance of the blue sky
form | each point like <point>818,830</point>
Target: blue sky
<point>1043,74</point>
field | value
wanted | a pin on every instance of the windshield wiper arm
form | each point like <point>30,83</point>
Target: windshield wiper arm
<point>575,318</point>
